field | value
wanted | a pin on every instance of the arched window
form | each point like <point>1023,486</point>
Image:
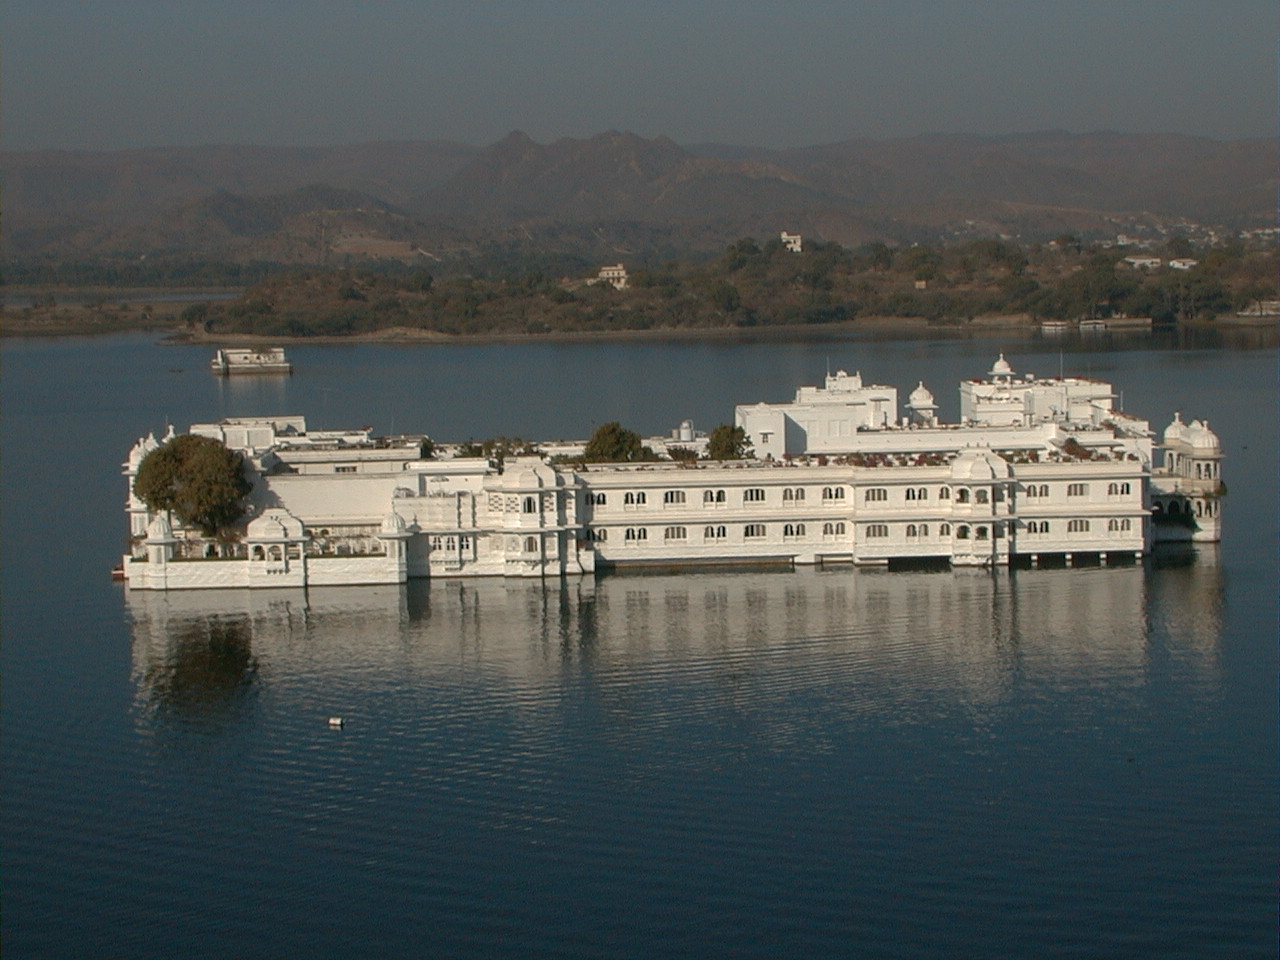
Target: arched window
<point>674,533</point>
<point>259,553</point>
<point>1077,526</point>
<point>982,533</point>
<point>628,499</point>
<point>713,533</point>
<point>872,494</point>
<point>944,530</point>
<point>793,530</point>
<point>911,494</point>
<point>530,505</point>
<point>753,495</point>
<point>713,496</point>
<point>530,544</point>
<point>962,533</point>
<point>599,499</point>
<point>754,531</point>
<point>962,495</point>
<point>980,496</point>
<point>913,531</point>
<point>944,493</point>
<point>924,530</point>
<point>673,496</point>
<point>839,529</point>
<point>877,531</point>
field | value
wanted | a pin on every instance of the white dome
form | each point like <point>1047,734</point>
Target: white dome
<point>1175,431</point>
<point>1200,436</point>
<point>160,528</point>
<point>274,526</point>
<point>1001,368</point>
<point>920,397</point>
<point>978,464</point>
<point>393,523</point>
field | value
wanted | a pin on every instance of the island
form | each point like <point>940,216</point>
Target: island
<point>1039,471</point>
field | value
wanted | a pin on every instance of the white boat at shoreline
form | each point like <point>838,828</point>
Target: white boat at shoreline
<point>252,360</point>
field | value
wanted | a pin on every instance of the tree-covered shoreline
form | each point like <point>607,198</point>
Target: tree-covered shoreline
<point>754,285</point>
<point>749,286</point>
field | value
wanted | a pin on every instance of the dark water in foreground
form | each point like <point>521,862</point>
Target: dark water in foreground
<point>1076,763</point>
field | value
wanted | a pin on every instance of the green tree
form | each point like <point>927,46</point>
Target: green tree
<point>727,443</point>
<point>198,479</point>
<point>613,443</point>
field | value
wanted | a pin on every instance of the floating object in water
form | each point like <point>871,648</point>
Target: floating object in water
<point>336,723</point>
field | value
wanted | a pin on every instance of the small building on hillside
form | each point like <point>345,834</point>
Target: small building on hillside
<point>615,276</point>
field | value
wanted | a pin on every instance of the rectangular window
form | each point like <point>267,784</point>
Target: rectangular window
<point>877,530</point>
<point>1077,490</point>
<point>876,495</point>
<point>344,469</point>
<point>674,533</point>
<point>754,531</point>
<point>673,496</point>
<point>753,495</point>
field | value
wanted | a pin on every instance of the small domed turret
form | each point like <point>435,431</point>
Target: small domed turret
<point>160,528</point>
<point>393,523</point>
<point>978,464</point>
<point>1176,431</point>
<point>1201,437</point>
<point>1001,368</point>
<point>920,397</point>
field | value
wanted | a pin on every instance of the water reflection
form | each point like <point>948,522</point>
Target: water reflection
<point>207,669</point>
<point>859,641</point>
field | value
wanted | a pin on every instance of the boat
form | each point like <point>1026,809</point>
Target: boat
<point>252,360</point>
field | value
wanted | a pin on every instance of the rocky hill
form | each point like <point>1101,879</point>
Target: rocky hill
<point>616,194</point>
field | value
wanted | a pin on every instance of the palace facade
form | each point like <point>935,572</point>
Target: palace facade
<point>1037,471</point>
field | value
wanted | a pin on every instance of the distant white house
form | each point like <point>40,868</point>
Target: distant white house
<point>615,276</point>
<point>792,241</point>
<point>1183,263</point>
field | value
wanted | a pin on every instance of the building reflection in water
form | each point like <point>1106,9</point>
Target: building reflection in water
<point>864,641</point>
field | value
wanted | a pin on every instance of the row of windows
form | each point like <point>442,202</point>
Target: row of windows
<point>449,543</point>
<point>874,531</point>
<point>870,495</point>
<point>751,531</point>
<point>637,498</point>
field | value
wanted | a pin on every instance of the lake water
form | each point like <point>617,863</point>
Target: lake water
<point>1050,763</point>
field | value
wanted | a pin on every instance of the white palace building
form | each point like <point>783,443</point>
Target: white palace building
<point>1038,471</point>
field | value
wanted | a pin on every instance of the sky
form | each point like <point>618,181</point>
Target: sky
<point>115,74</point>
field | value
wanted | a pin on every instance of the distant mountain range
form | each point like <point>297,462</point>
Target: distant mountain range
<point>616,195</point>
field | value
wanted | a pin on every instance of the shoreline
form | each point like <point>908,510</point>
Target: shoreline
<point>172,333</point>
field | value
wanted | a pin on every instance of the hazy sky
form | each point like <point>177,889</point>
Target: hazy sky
<point>106,74</point>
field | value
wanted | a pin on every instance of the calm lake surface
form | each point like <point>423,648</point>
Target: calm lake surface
<point>836,763</point>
